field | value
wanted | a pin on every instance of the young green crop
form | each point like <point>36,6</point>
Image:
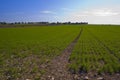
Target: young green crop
<point>24,50</point>
<point>97,50</point>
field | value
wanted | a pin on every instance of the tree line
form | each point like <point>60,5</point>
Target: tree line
<point>44,23</point>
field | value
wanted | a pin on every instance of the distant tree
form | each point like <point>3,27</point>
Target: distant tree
<point>22,22</point>
<point>69,22</point>
<point>3,23</point>
<point>58,22</point>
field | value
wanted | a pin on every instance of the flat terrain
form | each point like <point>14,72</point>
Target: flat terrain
<point>60,52</point>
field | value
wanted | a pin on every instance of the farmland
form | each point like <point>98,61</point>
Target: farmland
<point>25,52</point>
<point>97,51</point>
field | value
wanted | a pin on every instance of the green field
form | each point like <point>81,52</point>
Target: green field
<point>24,49</point>
<point>31,47</point>
<point>97,51</point>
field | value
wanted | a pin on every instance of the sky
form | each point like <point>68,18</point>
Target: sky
<point>91,11</point>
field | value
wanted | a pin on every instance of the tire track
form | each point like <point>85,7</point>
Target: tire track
<point>57,69</point>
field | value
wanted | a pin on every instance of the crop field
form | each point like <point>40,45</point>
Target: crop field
<point>23,50</point>
<point>97,51</point>
<point>26,51</point>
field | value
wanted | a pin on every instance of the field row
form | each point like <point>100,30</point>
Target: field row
<point>96,51</point>
<point>24,50</point>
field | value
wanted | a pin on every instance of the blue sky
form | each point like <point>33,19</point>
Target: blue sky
<point>92,11</point>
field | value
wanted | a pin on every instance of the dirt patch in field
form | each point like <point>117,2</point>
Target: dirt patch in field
<point>57,68</point>
<point>16,68</point>
<point>93,76</point>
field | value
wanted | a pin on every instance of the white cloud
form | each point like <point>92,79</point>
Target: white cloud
<point>95,16</point>
<point>48,12</point>
<point>97,12</point>
<point>104,12</point>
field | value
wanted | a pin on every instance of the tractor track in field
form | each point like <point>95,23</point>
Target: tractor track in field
<point>57,69</point>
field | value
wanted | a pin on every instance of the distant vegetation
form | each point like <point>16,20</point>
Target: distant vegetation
<point>45,23</point>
